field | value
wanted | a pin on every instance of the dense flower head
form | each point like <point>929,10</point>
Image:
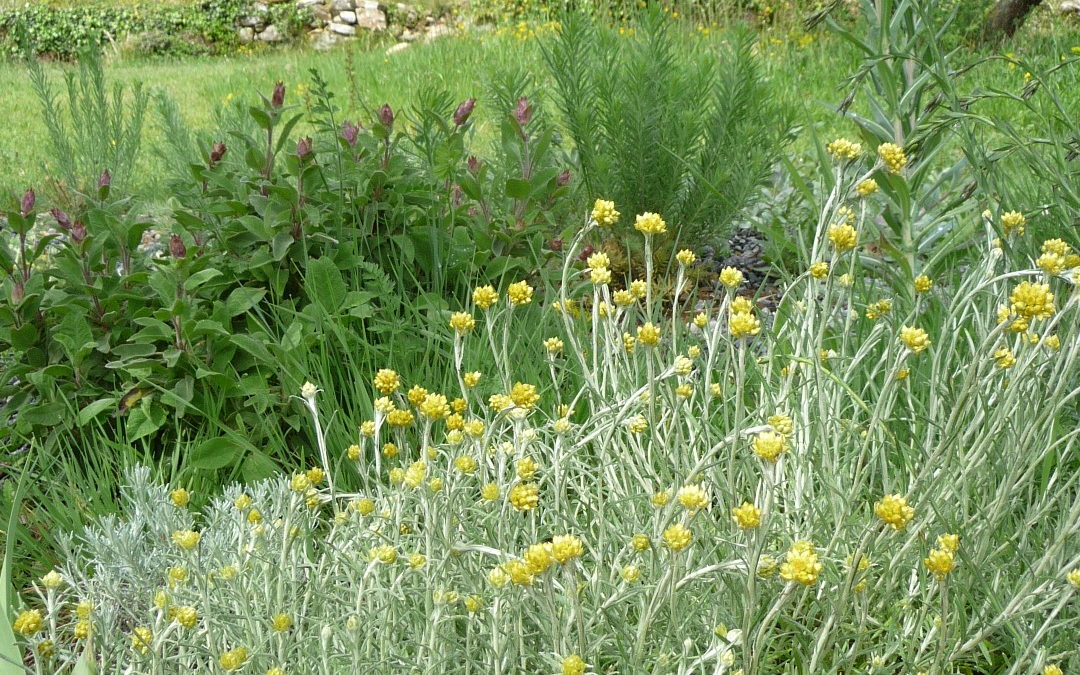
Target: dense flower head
<point>597,260</point>
<point>843,237</point>
<point>484,296</point>
<point>1073,577</point>
<point>186,616</point>
<point>386,381</point>
<point>648,334</point>
<point>538,558</point>
<point>692,497</point>
<point>316,475</point>
<point>1057,246</point>
<point>28,622</point>
<point>677,537</point>
<point>141,639</point>
<point>630,573</point>
<point>471,379</point>
<point>1032,300</point>
<point>1013,221</point>
<point>923,283</point>
<point>949,542</point>
<point>434,406</point>
<point>685,257</point>
<point>1052,669</point>
<point>233,659</point>
<point>624,298</point>
<point>600,276</point>
<point>640,288</point>
<point>879,308</point>
<point>573,665</point>
<point>731,277</point>
<point>844,149</point>
<point>769,445</point>
<point>746,516</point>
<point>416,395</point>
<point>566,547</point>
<point>52,580</point>
<point>524,395</point>
<point>524,496</point>
<point>741,305</point>
<point>1004,358</point>
<point>649,223</point>
<point>526,468</point>
<point>743,325</point>
<point>914,338</point>
<point>782,423</point>
<point>801,564</point>
<point>490,492</point>
<point>640,543</point>
<point>385,554</point>
<point>893,156</point>
<point>399,418</point>
<point>940,562</point>
<point>866,187</point>
<point>462,322</point>
<point>604,213</point>
<point>819,270</point>
<point>894,511</point>
<point>519,293</point>
<point>180,497</point>
<point>415,474</point>
<point>186,539</point>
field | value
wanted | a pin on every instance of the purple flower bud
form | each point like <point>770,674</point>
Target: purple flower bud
<point>62,219</point>
<point>461,115</point>
<point>303,147</point>
<point>585,253</point>
<point>176,247</point>
<point>473,165</point>
<point>217,151</point>
<point>28,200</point>
<point>457,195</point>
<point>103,183</point>
<point>523,111</point>
<point>349,132</point>
<point>18,292</point>
<point>386,116</point>
<point>564,178</point>
<point>278,98</point>
<point>78,233</point>
<point>555,244</point>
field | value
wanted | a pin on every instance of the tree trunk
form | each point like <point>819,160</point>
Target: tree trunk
<point>1006,17</point>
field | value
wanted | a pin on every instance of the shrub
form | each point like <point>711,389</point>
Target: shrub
<point>689,133</point>
<point>857,482</point>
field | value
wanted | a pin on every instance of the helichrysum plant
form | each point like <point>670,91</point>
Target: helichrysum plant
<point>697,488</point>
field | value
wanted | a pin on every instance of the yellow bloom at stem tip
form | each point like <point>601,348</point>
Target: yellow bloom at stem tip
<point>650,223</point>
<point>604,213</point>
<point>746,516</point>
<point>677,537</point>
<point>894,511</point>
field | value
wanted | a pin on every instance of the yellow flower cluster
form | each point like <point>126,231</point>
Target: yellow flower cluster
<point>233,659</point>
<point>894,511</point>
<point>769,445</point>
<point>677,537</point>
<point>843,149</point>
<point>520,293</point>
<point>1013,221</point>
<point>866,187</point>
<point>819,270</point>
<point>387,381</point>
<point>843,237</point>
<point>1032,301</point>
<point>914,338</point>
<point>524,496</point>
<point>462,322</point>
<point>923,283</point>
<point>878,309</point>
<point>746,516</point>
<point>692,497</point>
<point>731,277</point>
<point>604,213</point>
<point>893,157</point>
<point>650,223</point>
<point>801,564</point>
<point>484,297</point>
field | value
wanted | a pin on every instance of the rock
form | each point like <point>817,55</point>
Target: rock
<point>343,29</point>
<point>320,16</point>
<point>247,34</point>
<point>409,35</point>
<point>321,40</point>
<point>370,15</point>
<point>347,16</point>
<point>1069,6</point>
<point>343,5</point>
<point>271,34</point>
<point>302,4</point>
<point>438,31</point>
<point>395,48</point>
<point>250,21</point>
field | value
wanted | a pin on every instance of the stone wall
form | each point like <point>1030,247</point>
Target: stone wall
<point>334,20</point>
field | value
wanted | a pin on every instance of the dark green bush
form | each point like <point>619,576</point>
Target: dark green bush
<point>180,29</point>
<point>277,249</point>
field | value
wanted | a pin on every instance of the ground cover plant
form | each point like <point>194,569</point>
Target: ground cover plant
<point>310,382</point>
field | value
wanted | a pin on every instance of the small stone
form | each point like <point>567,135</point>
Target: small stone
<point>322,40</point>
<point>395,48</point>
<point>309,3</point>
<point>438,31</point>
<point>320,16</point>
<point>271,34</point>
<point>1069,6</point>
<point>347,16</point>
<point>370,15</point>
<point>343,29</point>
<point>246,34</point>
<point>343,5</point>
<point>250,21</point>
<point>409,35</point>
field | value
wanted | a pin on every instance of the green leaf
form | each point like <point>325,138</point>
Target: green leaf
<point>87,664</point>
<point>215,453</point>
<point>517,188</point>
<point>324,284</point>
<point>257,466</point>
<point>10,654</point>
<point>92,410</point>
<point>242,299</point>
<point>201,277</point>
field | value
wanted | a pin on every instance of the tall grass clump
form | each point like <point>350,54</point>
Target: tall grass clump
<point>687,129</point>
<point>92,128</point>
<point>862,481</point>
